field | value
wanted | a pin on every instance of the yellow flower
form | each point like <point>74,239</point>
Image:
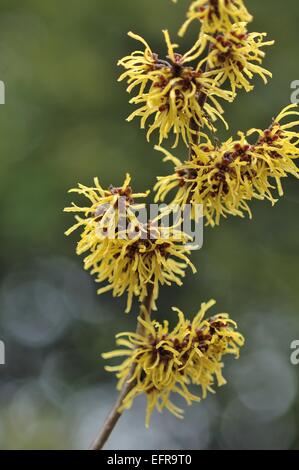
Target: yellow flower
<point>216,15</point>
<point>102,216</point>
<point>236,55</point>
<point>224,178</point>
<point>172,92</point>
<point>133,265</point>
<point>161,361</point>
<point>132,256</point>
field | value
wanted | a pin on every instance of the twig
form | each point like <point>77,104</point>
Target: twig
<point>195,128</point>
<point>114,414</point>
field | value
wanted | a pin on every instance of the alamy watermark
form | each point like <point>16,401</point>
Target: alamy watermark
<point>2,353</point>
<point>2,92</point>
<point>151,222</point>
<point>294,357</point>
<point>295,93</point>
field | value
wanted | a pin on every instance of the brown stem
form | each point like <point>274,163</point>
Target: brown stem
<point>114,414</point>
<point>195,128</point>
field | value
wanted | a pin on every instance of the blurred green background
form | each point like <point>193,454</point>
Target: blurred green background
<point>64,122</point>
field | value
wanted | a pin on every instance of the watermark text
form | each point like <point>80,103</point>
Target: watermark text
<point>2,353</point>
<point>294,357</point>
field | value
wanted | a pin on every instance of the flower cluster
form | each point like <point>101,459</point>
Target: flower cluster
<point>104,213</point>
<point>224,178</point>
<point>216,15</point>
<point>171,91</point>
<point>236,56</point>
<point>160,362</point>
<point>181,93</point>
<point>127,255</point>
